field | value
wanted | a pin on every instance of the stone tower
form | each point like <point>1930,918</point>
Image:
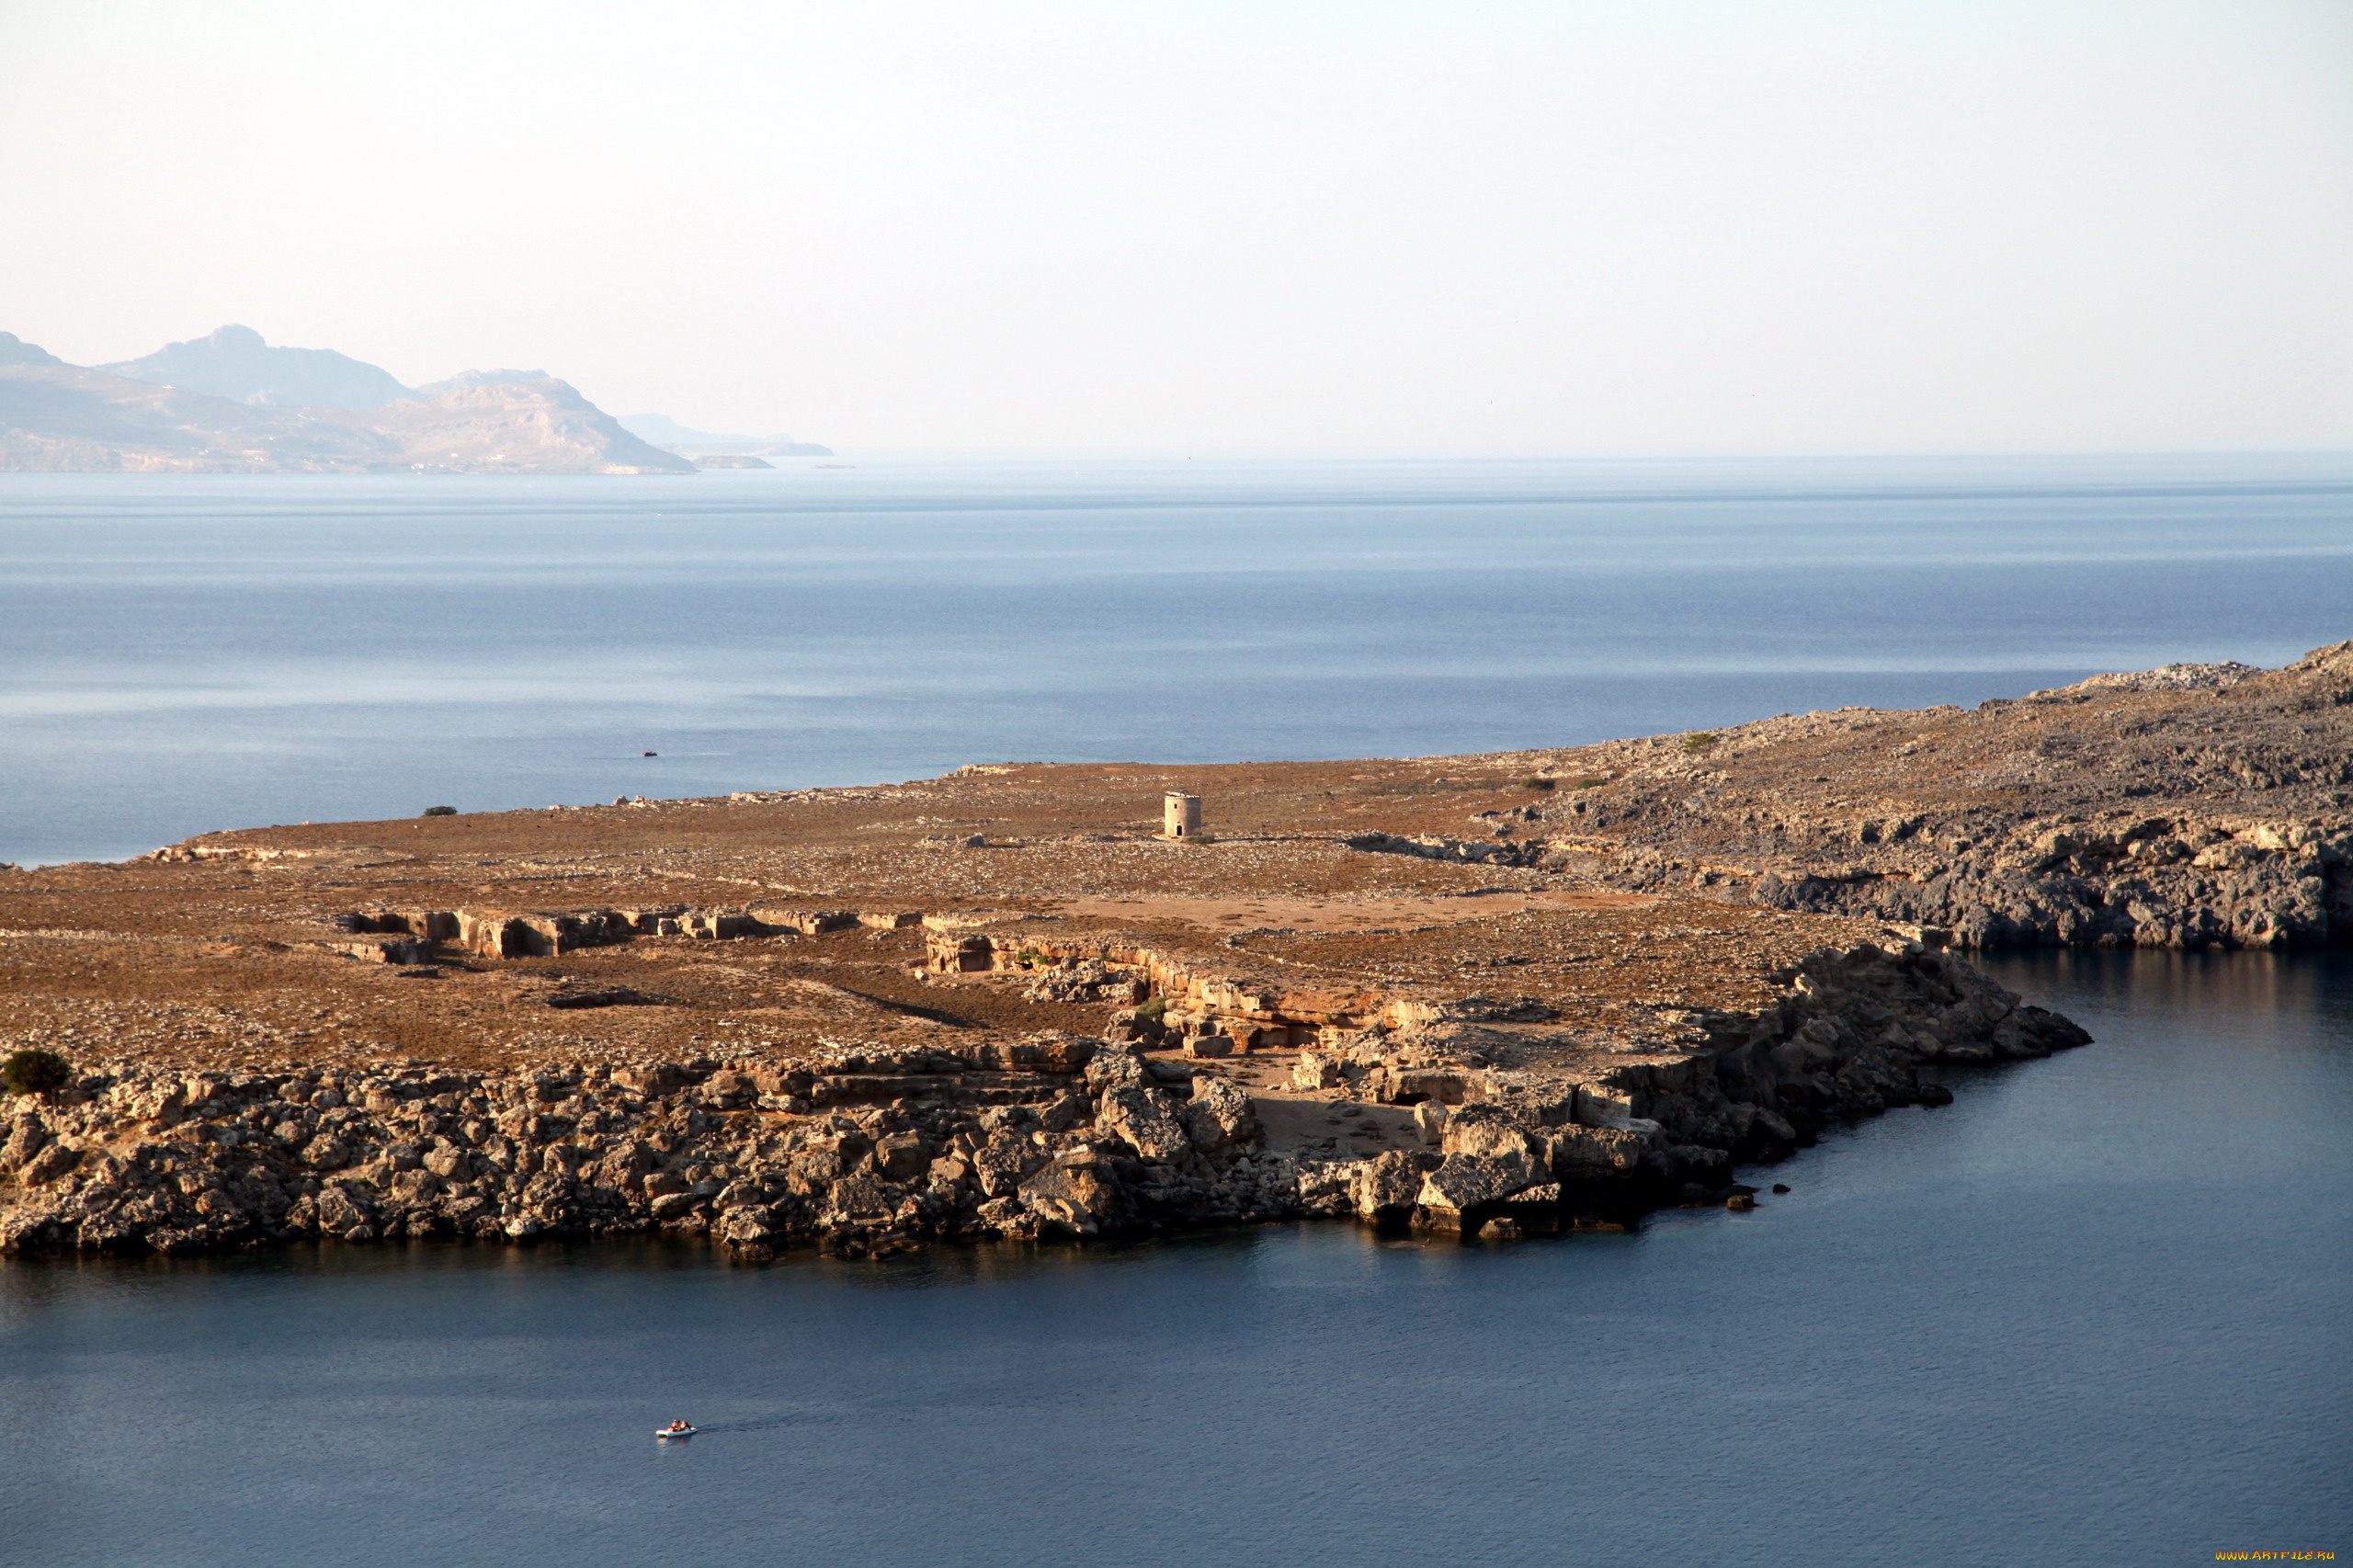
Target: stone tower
<point>1183,816</point>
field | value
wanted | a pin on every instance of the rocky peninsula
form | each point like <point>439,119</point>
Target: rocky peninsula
<point>1479,996</point>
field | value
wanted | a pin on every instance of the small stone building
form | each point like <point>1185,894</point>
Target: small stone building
<point>1184,815</point>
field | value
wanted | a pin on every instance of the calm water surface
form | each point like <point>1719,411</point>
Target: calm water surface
<point>2097,1313</point>
<point>183,655</point>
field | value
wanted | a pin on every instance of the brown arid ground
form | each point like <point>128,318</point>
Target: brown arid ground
<point>236,960</point>
<point>2192,806</point>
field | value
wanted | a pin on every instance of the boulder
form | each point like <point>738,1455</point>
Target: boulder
<point>1076,1197</point>
<point>24,1141</point>
<point>345,1207</point>
<point>1587,1152</point>
<point>860,1198</point>
<point>1468,1181</point>
<point>326,1154</point>
<point>1219,1116</point>
<point>416,1186</point>
<point>1389,1185</point>
<point>53,1161</point>
<point>1114,1069</point>
<point>1146,1118</point>
<point>997,1166</point>
<point>901,1156</point>
<point>748,1229</point>
<point>1485,1129</point>
<point>1429,1120</point>
<point>1314,1070</point>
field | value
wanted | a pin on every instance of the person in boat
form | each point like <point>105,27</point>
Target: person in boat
<point>680,1425</point>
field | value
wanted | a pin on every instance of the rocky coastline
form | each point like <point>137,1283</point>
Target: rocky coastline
<point>2189,807</point>
<point>1143,1127</point>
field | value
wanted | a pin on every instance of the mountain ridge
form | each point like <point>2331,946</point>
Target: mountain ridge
<point>62,418</point>
<point>234,362</point>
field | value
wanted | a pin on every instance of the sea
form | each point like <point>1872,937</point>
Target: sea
<point>2098,1312</point>
<point>181,655</point>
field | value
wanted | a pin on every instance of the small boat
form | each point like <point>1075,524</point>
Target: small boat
<point>677,1432</point>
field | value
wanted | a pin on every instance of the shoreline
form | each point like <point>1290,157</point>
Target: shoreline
<point>876,1152</point>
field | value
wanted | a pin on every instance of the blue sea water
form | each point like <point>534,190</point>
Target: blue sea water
<point>185,653</point>
<point>2094,1313</point>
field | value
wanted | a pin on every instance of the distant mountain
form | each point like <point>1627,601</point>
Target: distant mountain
<point>539,425</point>
<point>62,418</point>
<point>479,379</point>
<point>14,351</point>
<point>671,436</point>
<point>664,431</point>
<point>234,363</point>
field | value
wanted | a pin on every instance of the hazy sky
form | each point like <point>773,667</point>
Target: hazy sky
<point>1628,226</point>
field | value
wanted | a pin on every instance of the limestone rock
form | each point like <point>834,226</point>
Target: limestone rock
<point>1221,1117</point>
<point>25,1140</point>
<point>1314,1070</point>
<point>325,1153</point>
<point>53,1161</point>
<point>1429,1120</point>
<point>1387,1186</point>
<point>1467,1181</point>
<point>1075,1197</point>
<point>1487,1130</point>
<point>1147,1121</point>
<point>1000,1135</point>
<point>1114,1069</point>
<point>344,1208</point>
<point>901,1156</point>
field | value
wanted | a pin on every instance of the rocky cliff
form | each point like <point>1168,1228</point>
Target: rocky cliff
<point>2192,806</point>
<point>538,427</point>
<point>1056,1135</point>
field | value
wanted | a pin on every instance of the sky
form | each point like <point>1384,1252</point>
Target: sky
<point>1279,227</point>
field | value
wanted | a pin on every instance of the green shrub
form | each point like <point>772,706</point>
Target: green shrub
<point>1151,1012</point>
<point>438,811</point>
<point>1539,781</point>
<point>1700,740</point>
<point>35,1072</point>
